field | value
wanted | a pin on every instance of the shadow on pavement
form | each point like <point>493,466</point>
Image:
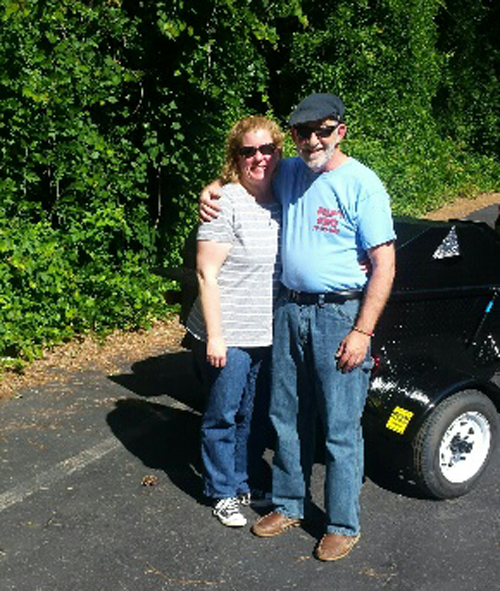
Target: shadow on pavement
<point>385,467</point>
<point>171,374</point>
<point>164,437</point>
<point>171,442</point>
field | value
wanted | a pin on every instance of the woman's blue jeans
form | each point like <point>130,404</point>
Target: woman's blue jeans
<point>307,383</point>
<point>225,429</point>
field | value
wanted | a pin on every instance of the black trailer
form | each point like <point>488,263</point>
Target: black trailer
<point>436,388</point>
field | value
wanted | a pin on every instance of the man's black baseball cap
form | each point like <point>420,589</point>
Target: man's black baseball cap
<point>316,107</point>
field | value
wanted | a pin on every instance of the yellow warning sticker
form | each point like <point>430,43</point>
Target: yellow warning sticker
<point>399,419</point>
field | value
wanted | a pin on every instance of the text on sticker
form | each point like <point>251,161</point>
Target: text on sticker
<point>399,419</point>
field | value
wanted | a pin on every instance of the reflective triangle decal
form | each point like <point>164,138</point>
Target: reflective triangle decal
<point>449,247</point>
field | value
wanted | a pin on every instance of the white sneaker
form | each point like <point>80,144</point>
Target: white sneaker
<point>228,512</point>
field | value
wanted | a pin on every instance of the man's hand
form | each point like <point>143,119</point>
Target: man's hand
<point>216,352</point>
<point>352,351</point>
<point>209,209</point>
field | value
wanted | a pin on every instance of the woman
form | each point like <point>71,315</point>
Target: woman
<point>237,268</point>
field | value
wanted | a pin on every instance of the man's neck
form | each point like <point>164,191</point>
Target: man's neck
<point>337,159</point>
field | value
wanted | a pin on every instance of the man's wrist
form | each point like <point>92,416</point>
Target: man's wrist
<point>361,331</point>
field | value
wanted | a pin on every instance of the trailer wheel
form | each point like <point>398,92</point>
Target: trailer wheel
<point>455,444</point>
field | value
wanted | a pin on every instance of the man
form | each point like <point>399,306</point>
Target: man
<point>335,214</point>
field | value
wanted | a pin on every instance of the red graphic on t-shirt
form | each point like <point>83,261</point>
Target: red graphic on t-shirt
<point>327,220</point>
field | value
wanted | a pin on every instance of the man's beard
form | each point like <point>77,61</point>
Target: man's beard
<point>318,164</point>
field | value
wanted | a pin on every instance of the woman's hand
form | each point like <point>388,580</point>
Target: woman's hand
<point>216,352</point>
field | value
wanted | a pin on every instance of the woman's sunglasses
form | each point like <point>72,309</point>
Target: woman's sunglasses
<point>264,149</point>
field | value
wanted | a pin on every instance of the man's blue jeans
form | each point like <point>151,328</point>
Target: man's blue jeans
<point>230,393</point>
<point>307,383</point>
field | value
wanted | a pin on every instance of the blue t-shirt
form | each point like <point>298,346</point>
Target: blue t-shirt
<point>330,220</point>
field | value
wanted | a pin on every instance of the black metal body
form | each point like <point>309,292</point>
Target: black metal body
<point>440,331</point>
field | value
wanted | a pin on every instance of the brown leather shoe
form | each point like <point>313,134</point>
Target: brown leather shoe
<point>335,546</point>
<point>273,524</point>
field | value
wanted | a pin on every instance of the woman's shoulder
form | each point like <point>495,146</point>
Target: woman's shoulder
<point>234,196</point>
<point>232,190</point>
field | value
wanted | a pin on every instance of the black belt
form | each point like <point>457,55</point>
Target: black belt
<point>330,297</point>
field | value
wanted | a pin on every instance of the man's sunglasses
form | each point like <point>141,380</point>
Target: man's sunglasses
<point>264,149</point>
<point>304,132</point>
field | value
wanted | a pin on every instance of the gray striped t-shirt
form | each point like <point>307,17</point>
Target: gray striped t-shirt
<point>249,277</point>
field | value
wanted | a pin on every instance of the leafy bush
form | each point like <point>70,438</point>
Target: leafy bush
<point>467,103</point>
<point>383,59</point>
<point>48,296</point>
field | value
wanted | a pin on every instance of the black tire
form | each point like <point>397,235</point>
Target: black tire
<point>454,445</point>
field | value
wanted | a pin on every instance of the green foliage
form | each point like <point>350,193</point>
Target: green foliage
<point>204,66</point>
<point>75,170</point>
<point>48,295</point>
<point>114,115</point>
<point>383,59</point>
<point>468,101</point>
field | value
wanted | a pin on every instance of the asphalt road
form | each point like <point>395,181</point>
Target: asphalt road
<point>75,514</point>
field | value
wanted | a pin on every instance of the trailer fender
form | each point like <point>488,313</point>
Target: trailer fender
<point>403,395</point>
